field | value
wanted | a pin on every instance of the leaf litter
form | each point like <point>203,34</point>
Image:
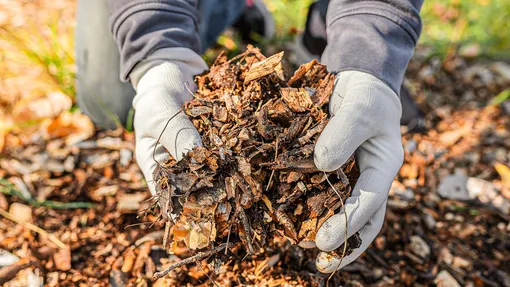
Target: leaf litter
<point>426,239</point>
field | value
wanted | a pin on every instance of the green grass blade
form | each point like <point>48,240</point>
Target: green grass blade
<point>9,189</point>
<point>501,97</point>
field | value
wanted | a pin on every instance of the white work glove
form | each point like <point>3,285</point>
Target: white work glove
<point>366,120</point>
<point>163,83</point>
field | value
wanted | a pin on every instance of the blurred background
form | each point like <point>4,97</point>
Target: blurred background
<point>448,213</point>
<point>37,53</point>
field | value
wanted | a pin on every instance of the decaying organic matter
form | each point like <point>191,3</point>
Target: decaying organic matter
<point>254,177</point>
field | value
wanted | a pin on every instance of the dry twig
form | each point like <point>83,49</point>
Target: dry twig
<point>199,256</point>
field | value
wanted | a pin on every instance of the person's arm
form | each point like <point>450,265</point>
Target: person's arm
<point>375,37</point>
<point>369,44</point>
<point>159,44</point>
<point>141,27</point>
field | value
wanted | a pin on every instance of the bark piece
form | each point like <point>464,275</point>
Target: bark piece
<point>263,68</point>
<point>298,99</point>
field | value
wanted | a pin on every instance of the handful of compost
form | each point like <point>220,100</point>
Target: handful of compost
<point>254,180</point>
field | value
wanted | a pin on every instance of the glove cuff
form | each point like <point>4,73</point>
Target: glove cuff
<point>188,62</point>
<point>347,80</point>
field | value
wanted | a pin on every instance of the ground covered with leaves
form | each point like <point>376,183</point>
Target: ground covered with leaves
<point>70,198</point>
<point>70,194</point>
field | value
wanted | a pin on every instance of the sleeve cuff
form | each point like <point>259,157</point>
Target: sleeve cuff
<point>373,39</point>
<point>142,27</point>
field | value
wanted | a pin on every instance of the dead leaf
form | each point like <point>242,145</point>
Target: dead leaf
<point>48,106</point>
<point>74,127</point>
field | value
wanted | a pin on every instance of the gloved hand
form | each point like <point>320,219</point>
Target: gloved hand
<point>366,119</point>
<point>162,82</point>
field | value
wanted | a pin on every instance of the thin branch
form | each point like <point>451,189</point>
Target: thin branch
<point>228,237</point>
<point>189,90</point>
<point>346,226</point>
<point>137,224</point>
<point>168,225</point>
<point>199,256</point>
<point>247,229</point>
<point>272,172</point>
<point>7,273</point>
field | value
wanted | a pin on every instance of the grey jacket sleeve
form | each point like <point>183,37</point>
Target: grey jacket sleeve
<point>375,36</point>
<point>142,27</point>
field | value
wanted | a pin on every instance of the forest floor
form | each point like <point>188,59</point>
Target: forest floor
<point>70,194</point>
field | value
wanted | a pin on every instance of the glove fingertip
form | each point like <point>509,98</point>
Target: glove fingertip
<point>333,148</point>
<point>186,141</point>
<point>327,263</point>
<point>323,159</point>
<point>180,137</point>
<point>328,237</point>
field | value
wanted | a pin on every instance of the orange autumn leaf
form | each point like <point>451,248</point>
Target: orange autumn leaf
<point>74,127</point>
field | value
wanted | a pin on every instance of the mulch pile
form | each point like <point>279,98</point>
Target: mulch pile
<point>426,239</point>
<point>254,178</point>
